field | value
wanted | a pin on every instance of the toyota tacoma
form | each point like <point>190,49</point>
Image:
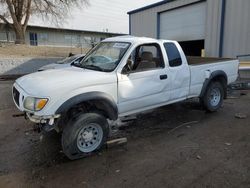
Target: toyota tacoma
<point>119,77</point>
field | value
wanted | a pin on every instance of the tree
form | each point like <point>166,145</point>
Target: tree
<point>16,13</point>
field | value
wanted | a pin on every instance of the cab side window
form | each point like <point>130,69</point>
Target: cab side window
<point>173,54</point>
<point>146,57</point>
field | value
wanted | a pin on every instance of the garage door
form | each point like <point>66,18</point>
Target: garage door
<point>183,24</point>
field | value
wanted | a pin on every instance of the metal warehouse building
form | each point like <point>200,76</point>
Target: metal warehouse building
<point>221,27</point>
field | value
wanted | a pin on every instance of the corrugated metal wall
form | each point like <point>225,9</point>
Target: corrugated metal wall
<point>237,28</point>
<point>213,21</point>
<point>236,37</point>
<point>144,23</point>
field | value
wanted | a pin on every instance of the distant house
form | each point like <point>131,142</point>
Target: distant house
<point>49,36</point>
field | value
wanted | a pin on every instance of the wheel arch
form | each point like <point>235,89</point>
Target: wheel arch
<point>102,101</point>
<point>219,76</point>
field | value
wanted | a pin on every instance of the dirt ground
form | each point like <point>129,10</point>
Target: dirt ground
<point>174,146</point>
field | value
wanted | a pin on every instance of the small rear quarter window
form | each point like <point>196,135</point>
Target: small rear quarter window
<point>173,54</point>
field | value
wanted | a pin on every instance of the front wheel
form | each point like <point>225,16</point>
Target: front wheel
<point>213,98</point>
<point>84,135</point>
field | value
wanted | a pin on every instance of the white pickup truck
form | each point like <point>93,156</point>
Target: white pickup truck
<point>119,77</point>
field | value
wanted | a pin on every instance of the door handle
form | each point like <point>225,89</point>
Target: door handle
<point>163,77</point>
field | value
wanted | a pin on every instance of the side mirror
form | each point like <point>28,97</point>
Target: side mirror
<point>128,67</point>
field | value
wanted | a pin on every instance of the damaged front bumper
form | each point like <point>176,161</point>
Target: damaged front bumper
<point>46,123</point>
<point>43,119</point>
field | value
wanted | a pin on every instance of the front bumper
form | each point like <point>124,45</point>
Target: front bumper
<point>19,95</point>
<point>45,123</point>
<point>42,119</point>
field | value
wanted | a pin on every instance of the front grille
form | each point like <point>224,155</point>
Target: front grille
<point>16,95</point>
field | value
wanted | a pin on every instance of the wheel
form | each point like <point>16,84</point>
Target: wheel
<point>84,134</point>
<point>213,98</point>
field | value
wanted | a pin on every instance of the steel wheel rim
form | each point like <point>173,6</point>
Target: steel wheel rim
<point>89,137</point>
<point>215,96</point>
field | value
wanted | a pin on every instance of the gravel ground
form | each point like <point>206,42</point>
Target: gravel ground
<point>174,146</point>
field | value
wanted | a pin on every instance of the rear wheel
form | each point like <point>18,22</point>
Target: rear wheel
<point>213,98</point>
<point>84,134</point>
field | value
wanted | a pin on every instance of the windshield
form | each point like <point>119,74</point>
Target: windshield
<point>105,56</point>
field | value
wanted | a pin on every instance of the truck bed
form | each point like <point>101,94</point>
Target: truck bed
<point>194,60</point>
<point>200,69</point>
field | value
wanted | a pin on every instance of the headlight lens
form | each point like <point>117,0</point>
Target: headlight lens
<point>35,104</point>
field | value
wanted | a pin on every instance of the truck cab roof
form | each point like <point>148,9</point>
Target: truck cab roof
<point>134,39</point>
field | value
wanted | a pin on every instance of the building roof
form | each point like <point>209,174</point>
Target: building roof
<point>67,29</point>
<point>149,6</point>
<point>74,30</point>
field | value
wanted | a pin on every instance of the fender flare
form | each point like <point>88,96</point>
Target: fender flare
<point>214,75</point>
<point>108,102</point>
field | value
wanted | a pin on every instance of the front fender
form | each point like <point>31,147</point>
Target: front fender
<point>105,99</point>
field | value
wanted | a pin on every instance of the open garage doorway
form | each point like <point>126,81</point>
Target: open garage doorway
<point>192,48</point>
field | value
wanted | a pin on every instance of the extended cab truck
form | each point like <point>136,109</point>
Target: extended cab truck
<point>133,75</point>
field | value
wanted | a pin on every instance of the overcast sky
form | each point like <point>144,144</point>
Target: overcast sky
<point>100,15</point>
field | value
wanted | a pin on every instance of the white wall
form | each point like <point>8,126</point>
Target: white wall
<point>48,37</point>
<point>57,37</point>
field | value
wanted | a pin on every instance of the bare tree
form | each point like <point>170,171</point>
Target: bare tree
<point>16,13</point>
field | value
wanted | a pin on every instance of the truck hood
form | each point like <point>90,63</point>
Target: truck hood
<point>71,78</point>
<point>54,66</point>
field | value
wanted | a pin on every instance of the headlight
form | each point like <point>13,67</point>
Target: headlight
<point>34,104</point>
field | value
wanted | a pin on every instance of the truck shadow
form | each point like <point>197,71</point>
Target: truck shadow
<point>161,119</point>
<point>49,152</point>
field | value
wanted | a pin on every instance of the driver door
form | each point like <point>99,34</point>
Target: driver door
<point>144,81</point>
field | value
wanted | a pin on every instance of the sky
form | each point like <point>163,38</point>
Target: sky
<point>99,15</point>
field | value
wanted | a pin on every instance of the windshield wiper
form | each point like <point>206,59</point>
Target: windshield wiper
<point>93,67</point>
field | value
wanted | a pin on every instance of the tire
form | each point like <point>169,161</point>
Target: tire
<point>84,135</point>
<point>213,97</point>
